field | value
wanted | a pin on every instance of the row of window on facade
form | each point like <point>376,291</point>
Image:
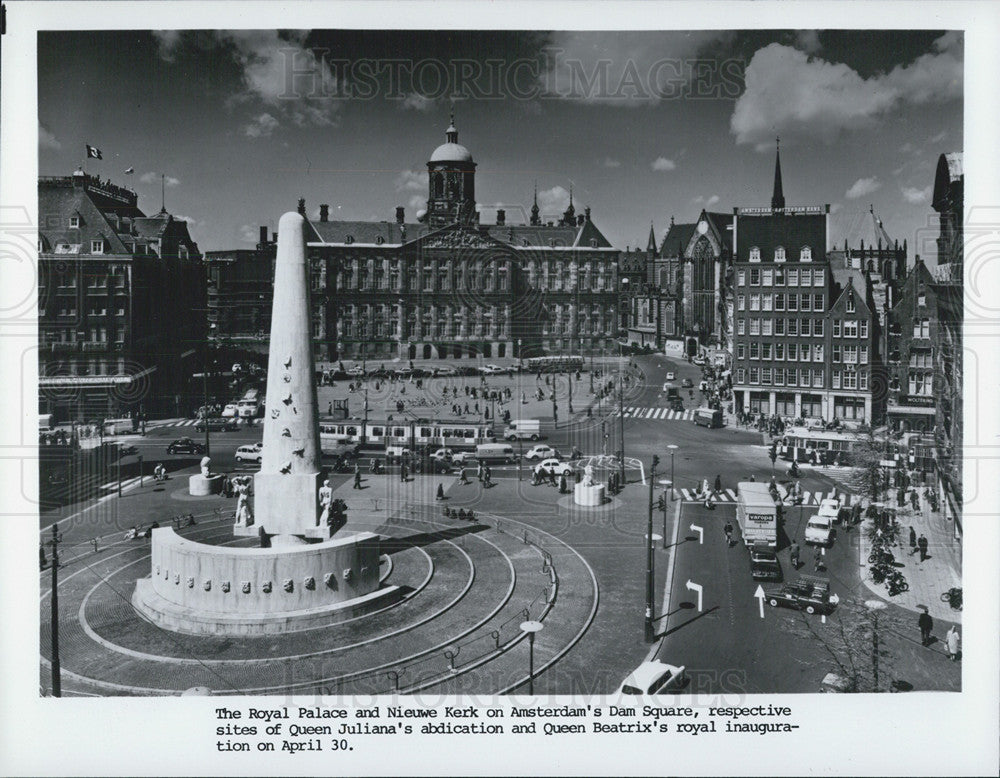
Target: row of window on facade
<point>804,377</point>
<point>780,276</point>
<point>84,335</point>
<point>783,302</point>
<point>805,254</point>
<point>70,310</point>
<point>802,352</point>
<point>810,406</point>
<point>85,367</point>
<point>67,280</point>
<point>792,327</point>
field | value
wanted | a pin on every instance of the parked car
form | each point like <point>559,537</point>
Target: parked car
<point>764,564</point>
<point>541,451</point>
<point>561,468</point>
<point>231,410</point>
<point>819,530</point>
<point>444,454</point>
<point>403,372</point>
<point>397,453</point>
<point>217,424</point>
<point>492,369</point>
<point>463,457</point>
<point>687,384</point>
<point>654,677</point>
<point>445,370</point>
<point>809,593</point>
<point>185,446</point>
<point>671,375</point>
<point>356,372</point>
<point>249,454</point>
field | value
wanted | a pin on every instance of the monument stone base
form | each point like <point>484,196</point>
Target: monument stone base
<point>205,485</point>
<point>589,496</point>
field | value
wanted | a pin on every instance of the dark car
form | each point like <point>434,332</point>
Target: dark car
<point>185,446</point>
<point>764,564</point>
<point>809,593</point>
<point>686,383</point>
<point>676,404</point>
<point>217,424</point>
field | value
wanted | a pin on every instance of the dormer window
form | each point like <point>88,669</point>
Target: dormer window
<point>379,240</point>
<point>349,239</point>
<point>97,247</point>
<point>593,243</point>
<point>850,304</point>
<point>779,254</point>
<point>74,222</point>
<point>806,254</point>
<point>755,254</point>
<point>182,252</point>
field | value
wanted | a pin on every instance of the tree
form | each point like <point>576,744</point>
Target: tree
<point>857,640</point>
<point>868,477</point>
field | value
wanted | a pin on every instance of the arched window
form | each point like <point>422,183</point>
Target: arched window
<point>437,185</point>
<point>806,254</point>
<point>779,254</point>
<point>755,254</point>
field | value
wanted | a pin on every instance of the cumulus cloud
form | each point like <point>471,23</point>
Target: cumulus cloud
<point>154,178</point>
<point>412,181</point>
<point>939,137</point>
<point>261,126</point>
<point>416,202</point>
<point>862,187</point>
<point>249,233</point>
<point>708,202</point>
<point>916,196</point>
<point>553,201</point>
<point>277,70</point>
<point>808,41</point>
<point>793,94</point>
<point>662,164</point>
<point>191,222</point>
<point>46,139</point>
<point>417,102</point>
<point>609,162</point>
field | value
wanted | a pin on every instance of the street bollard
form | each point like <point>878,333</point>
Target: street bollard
<point>451,658</point>
<point>495,634</point>
<point>96,549</point>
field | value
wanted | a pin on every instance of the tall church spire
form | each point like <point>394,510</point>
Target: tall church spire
<point>778,198</point>
<point>535,221</point>
<point>651,243</point>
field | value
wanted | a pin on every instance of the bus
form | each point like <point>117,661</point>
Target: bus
<point>555,364</point>
<point>418,432</point>
<point>817,446</point>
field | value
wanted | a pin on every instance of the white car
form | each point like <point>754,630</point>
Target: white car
<point>654,678</point>
<point>671,376</point>
<point>491,369</point>
<point>445,370</point>
<point>819,531</point>
<point>231,411</point>
<point>829,507</point>
<point>249,453</point>
<point>463,457</point>
<point>541,452</point>
<point>444,454</point>
<point>356,371</point>
<point>561,468</point>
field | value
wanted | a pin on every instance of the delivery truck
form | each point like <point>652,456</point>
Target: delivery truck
<point>757,514</point>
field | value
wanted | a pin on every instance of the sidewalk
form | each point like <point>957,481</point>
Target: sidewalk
<point>928,579</point>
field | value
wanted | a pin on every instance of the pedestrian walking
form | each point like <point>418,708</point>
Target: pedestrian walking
<point>562,484</point>
<point>440,492</point>
<point>752,478</point>
<point>463,478</point>
<point>402,472</point>
<point>357,476</point>
<point>913,541</point>
<point>926,624</point>
<point>728,531</point>
<point>794,550</point>
<point>479,471</point>
<point>951,643</point>
<point>922,545</point>
<point>718,484</point>
<point>817,560</point>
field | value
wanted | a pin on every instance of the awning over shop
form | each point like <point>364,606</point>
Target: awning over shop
<point>94,381</point>
<point>912,410</point>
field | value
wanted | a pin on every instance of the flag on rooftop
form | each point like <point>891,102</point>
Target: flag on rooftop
<point>93,152</point>
<point>130,171</point>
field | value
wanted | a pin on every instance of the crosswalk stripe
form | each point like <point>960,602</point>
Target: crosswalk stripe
<point>731,494</point>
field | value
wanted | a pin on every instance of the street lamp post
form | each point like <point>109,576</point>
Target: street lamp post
<point>874,606</point>
<point>531,627</point>
<point>621,418</point>
<point>665,483</point>
<point>673,447</point>
<point>649,556</point>
<point>54,629</point>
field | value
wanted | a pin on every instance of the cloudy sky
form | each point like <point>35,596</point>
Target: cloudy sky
<point>643,126</point>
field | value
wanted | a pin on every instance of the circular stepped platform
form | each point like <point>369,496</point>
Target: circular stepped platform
<point>468,586</point>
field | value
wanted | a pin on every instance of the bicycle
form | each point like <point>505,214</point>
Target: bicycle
<point>953,597</point>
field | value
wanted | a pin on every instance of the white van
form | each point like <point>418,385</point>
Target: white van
<point>495,452</point>
<point>523,429</point>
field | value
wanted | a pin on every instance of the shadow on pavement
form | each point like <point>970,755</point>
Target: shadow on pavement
<point>426,538</point>
<point>686,605</point>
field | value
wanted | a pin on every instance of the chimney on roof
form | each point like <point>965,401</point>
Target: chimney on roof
<point>580,219</point>
<point>263,234</point>
<point>501,217</point>
<point>324,212</point>
<point>586,213</point>
<point>400,214</point>
<point>274,237</point>
<point>302,206</point>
